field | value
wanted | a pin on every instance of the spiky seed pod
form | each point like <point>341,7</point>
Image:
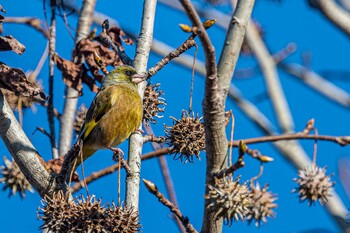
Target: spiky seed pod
<point>80,118</point>
<point>91,216</point>
<point>186,137</point>
<point>262,204</point>
<point>62,214</point>
<point>122,219</point>
<point>314,185</point>
<point>13,179</point>
<point>153,103</point>
<point>59,213</point>
<point>230,200</point>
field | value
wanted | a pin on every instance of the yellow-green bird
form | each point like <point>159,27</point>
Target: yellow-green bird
<point>114,114</point>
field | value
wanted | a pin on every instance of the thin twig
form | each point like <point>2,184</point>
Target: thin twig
<point>152,188</point>
<point>50,107</point>
<point>186,45</point>
<point>108,170</point>
<point>33,22</point>
<point>71,100</point>
<point>341,140</point>
<point>105,38</point>
<point>152,138</point>
<point>166,175</point>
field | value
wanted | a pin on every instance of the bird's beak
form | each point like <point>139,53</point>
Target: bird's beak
<point>137,78</point>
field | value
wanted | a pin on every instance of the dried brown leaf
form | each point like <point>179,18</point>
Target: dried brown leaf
<point>8,43</point>
<point>74,74</point>
<point>55,165</point>
<point>16,81</point>
<point>71,72</point>
<point>87,49</point>
<point>117,35</point>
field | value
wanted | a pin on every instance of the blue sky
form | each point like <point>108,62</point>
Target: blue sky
<point>289,21</point>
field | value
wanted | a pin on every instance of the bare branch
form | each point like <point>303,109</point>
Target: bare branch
<point>50,107</point>
<point>318,83</point>
<point>334,13</point>
<point>33,22</point>
<point>71,101</point>
<point>27,158</point>
<point>166,175</point>
<point>111,169</point>
<point>269,71</point>
<point>152,188</point>
<point>341,140</point>
<point>136,140</point>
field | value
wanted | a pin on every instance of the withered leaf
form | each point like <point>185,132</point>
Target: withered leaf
<point>55,165</point>
<point>117,35</point>
<point>71,72</point>
<point>74,74</point>
<point>9,43</point>
<point>15,80</point>
<point>87,49</point>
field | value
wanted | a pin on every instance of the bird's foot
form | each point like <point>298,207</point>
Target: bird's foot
<point>116,153</point>
<point>118,156</point>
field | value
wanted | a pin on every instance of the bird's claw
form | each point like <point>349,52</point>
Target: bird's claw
<point>116,153</point>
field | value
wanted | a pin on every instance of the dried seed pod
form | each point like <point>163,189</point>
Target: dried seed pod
<point>230,200</point>
<point>262,204</point>
<point>79,118</point>
<point>13,179</point>
<point>122,219</point>
<point>186,137</point>
<point>91,215</point>
<point>153,103</point>
<point>314,185</point>
<point>59,213</point>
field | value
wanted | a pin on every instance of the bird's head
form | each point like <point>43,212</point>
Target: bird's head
<point>123,74</point>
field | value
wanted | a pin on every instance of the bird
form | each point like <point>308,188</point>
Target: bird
<point>114,114</point>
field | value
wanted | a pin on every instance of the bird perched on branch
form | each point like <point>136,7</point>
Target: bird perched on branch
<point>114,114</point>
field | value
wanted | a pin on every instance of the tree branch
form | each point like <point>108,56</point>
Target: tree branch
<point>334,13</point>
<point>152,188</point>
<point>27,158</point>
<point>318,83</point>
<point>71,100</point>
<point>136,140</point>
<point>33,22</point>
<point>269,71</point>
<point>50,107</point>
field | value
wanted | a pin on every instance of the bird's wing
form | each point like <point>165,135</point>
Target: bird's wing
<point>99,107</point>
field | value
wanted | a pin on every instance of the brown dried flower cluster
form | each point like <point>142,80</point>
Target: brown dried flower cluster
<point>314,185</point>
<point>186,137</point>
<point>153,103</point>
<point>262,204</point>
<point>61,214</point>
<point>230,200</point>
<point>13,179</point>
<point>80,118</point>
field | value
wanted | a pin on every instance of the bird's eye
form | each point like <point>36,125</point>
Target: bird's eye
<point>128,72</point>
